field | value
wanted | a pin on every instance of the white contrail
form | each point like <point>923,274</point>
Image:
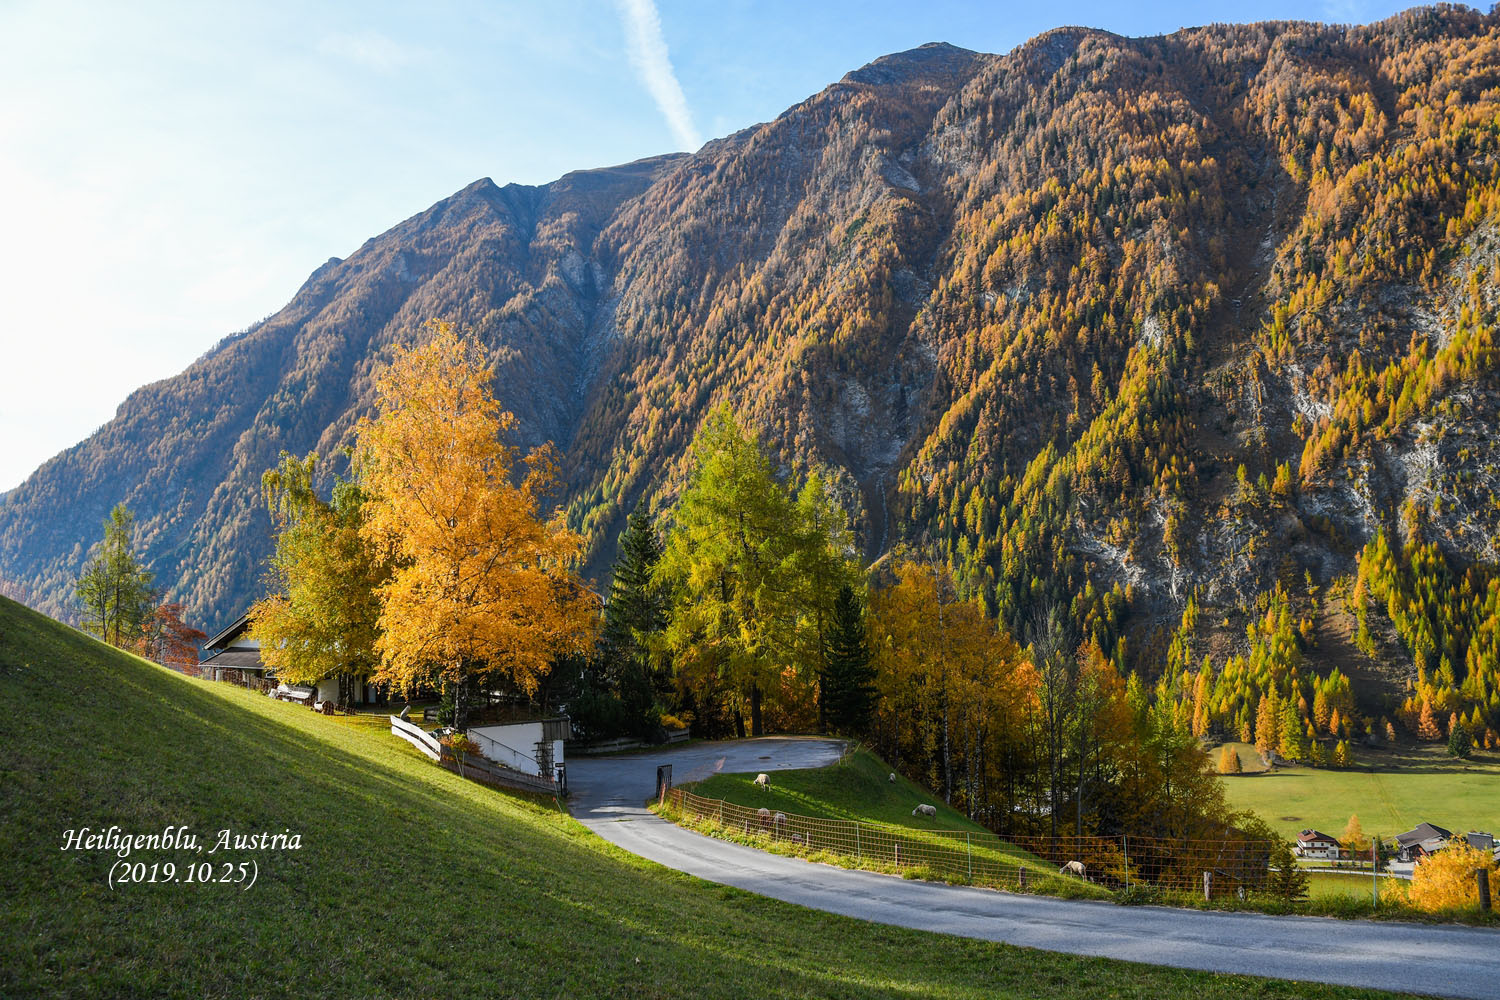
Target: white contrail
<point>648,54</point>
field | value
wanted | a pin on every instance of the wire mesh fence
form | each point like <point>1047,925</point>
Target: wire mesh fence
<point>1057,865</point>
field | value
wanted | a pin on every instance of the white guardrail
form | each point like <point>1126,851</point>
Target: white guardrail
<point>416,737</point>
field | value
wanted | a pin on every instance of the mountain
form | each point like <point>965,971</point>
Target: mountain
<point>1190,337</point>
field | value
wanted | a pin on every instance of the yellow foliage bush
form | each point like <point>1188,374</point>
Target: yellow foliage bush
<point>1446,880</point>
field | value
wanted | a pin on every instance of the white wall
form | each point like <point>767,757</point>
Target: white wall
<point>514,745</point>
<point>328,690</point>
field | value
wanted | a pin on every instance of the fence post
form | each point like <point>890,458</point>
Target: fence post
<point>859,853</point>
<point>1483,876</point>
<point>1125,839</point>
<point>1208,887</point>
<point>969,846</point>
<point>1374,875</point>
<point>721,814</point>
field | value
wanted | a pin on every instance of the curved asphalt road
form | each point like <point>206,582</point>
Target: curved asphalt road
<point>607,795</point>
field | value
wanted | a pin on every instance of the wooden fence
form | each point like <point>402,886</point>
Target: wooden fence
<point>416,737</point>
<point>474,768</point>
<point>1026,863</point>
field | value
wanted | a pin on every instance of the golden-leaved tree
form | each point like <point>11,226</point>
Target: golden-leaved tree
<point>322,617</point>
<point>483,588</point>
<point>954,696</point>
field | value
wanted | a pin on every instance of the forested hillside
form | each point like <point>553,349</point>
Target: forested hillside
<point>1190,338</point>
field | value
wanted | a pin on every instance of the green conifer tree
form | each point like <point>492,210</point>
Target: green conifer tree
<point>849,691</point>
<point>114,590</point>
<point>1293,746</point>
<point>634,616</point>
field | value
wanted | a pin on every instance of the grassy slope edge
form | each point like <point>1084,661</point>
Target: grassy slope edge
<point>409,882</point>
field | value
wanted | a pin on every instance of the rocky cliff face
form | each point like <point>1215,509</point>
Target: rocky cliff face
<point>1102,322</point>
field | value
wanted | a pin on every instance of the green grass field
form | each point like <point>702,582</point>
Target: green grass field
<point>859,788</point>
<point>1392,791</point>
<point>1322,885</point>
<point>409,881</point>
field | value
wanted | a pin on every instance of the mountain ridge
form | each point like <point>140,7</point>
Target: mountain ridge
<point>1034,314</point>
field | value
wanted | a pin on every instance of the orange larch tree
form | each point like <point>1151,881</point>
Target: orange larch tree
<point>482,587</point>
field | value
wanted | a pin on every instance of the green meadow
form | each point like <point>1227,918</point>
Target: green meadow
<point>408,881</point>
<point>1391,791</point>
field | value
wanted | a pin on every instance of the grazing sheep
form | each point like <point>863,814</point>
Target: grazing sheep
<point>1072,868</point>
<point>763,780</point>
<point>893,777</point>
<point>765,818</point>
<point>925,810</point>
<point>781,820</point>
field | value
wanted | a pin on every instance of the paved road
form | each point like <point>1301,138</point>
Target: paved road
<point>607,796</point>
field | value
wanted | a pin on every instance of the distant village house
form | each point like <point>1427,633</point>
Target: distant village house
<point>1417,843</point>
<point>1315,844</point>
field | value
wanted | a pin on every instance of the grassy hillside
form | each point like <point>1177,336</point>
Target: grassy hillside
<point>858,787</point>
<point>409,881</point>
<point>1392,791</point>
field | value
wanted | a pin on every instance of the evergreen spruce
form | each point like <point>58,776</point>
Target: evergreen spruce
<point>849,687</point>
<point>1293,747</point>
<point>634,614</point>
<point>1459,742</point>
<point>636,609</point>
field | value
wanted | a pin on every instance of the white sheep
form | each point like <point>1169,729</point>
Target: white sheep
<point>892,778</point>
<point>765,817</point>
<point>1072,868</point>
<point>925,810</point>
<point>763,780</point>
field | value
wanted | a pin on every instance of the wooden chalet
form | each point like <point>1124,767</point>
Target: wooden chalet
<point>1421,841</point>
<point>233,656</point>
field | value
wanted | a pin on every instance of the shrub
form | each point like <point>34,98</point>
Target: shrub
<point>1229,761</point>
<point>1140,894</point>
<point>1446,881</point>
<point>1285,882</point>
<point>460,746</point>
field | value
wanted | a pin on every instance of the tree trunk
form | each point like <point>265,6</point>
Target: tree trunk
<point>822,701</point>
<point>1078,795</point>
<point>947,755</point>
<point>755,720</point>
<point>459,713</point>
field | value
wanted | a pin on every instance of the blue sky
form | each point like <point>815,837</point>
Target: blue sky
<point>171,172</point>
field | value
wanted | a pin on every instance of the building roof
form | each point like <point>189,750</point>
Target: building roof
<point>1422,833</point>
<point>235,629</point>
<point>236,659</point>
<point>1480,841</point>
<point>1308,836</point>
